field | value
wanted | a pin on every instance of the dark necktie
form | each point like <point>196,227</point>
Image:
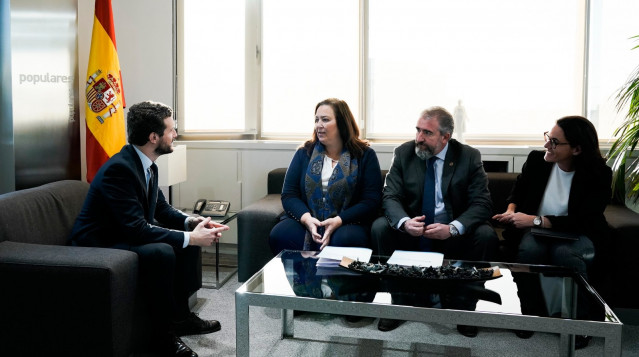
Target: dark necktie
<point>149,181</point>
<point>428,202</point>
<point>152,190</point>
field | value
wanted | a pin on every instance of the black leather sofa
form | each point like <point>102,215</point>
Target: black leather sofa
<point>62,300</point>
<point>256,221</point>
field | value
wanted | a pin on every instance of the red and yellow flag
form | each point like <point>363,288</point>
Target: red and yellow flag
<point>104,93</point>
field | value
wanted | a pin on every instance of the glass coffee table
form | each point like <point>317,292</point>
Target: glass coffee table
<point>525,297</point>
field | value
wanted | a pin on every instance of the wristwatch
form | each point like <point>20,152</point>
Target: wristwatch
<point>537,221</point>
<point>453,230</point>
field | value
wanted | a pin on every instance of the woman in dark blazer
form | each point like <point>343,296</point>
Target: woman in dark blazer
<point>333,187</point>
<point>566,188</point>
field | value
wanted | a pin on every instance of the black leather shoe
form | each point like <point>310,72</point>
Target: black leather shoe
<point>468,331</point>
<point>194,325</point>
<point>388,324</point>
<point>524,334</point>
<point>582,341</point>
<point>180,349</point>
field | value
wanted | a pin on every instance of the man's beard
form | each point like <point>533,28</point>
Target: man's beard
<point>164,149</point>
<point>424,154</point>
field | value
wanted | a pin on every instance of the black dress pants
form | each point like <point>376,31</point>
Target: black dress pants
<point>167,276</point>
<point>479,245</point>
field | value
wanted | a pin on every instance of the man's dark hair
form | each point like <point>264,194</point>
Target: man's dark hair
<point>145,118</point>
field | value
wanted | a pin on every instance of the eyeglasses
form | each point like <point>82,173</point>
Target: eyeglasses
<point>553,142</point>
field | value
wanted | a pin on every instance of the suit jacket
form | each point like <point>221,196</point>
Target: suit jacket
<point>117,209</point>
<point>364,205</point>
<point>464,185</point>
<point>590,192</point>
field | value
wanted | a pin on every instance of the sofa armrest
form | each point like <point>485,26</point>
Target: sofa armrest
<point>622,255</point>
<point>72,300</point>
<point>254,224</point>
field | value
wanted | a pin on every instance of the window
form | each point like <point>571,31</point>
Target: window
<point>514,66</point>
<point>310,53</point>
<point>610,60</point>
<point>212,66</point>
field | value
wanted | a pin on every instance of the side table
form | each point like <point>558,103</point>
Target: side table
<point>231,215</point>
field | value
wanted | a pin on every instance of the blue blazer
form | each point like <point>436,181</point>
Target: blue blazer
<point>365,204</point>
<point>117,210</point>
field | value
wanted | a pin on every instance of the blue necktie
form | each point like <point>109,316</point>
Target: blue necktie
<point>428,201</point>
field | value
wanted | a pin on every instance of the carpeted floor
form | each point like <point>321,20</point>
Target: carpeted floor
<point>328,335</point>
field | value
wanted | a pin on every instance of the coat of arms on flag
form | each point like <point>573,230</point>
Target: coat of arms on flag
<point>103,92</point>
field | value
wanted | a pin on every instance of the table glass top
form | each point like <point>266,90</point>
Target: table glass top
<point>534,290</point>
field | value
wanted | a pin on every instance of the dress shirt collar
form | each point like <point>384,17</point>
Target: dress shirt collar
<point>442,154</point>
<point>146,162</point>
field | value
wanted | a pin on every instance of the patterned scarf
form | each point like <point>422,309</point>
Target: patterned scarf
<point>341,186</point>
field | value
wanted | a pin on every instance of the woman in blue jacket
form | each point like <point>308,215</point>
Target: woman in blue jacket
<point>333,187</point>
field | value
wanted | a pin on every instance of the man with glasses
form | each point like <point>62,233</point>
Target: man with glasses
<point>124,209</point>
<point>436,198</point>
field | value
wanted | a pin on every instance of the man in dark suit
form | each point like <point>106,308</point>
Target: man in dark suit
<point>125,210</point>
<point>436,198</point>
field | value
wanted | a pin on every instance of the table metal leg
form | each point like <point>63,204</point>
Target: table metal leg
<point>218,284</point>
<point>287,323</point>
<point>566,341</point>
<point>241,326</point>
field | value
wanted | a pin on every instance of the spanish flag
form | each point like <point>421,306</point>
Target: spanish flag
<point>104,93</point>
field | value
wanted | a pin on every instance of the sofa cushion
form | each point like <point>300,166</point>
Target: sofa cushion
<point>42,215</point>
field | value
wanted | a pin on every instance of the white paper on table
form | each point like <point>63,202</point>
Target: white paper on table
<point>420,259</point>
<point>333,255</point>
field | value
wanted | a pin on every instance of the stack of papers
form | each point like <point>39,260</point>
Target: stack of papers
<point>420,259</point>
<point>331,256</point>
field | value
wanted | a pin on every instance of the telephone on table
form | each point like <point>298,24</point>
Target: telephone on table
<point>211,208</point>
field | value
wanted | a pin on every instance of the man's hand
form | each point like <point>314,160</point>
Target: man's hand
<point>194,221</point>
<point>206,232</point>
<point>330,225</point>
<point>437,231</point>
<point>415,226</point>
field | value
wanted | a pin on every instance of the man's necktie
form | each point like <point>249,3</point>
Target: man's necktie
<point>428,202</point>
<point>149,180</point>
<point>152,190</point>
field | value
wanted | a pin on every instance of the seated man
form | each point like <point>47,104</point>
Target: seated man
<point>436,199</point>
<point>121,211</point>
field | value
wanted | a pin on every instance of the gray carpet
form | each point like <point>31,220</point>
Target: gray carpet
<point>328,335</point>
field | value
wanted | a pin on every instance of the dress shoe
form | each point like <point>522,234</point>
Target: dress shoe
<point>582,341</point>
<point>194,325</point>
<point>468,331</point>
<point>180,349</point>
<point>524,334</point>
<point>388,324</point>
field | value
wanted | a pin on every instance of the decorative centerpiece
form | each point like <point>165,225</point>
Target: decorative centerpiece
<point>447,272</point>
